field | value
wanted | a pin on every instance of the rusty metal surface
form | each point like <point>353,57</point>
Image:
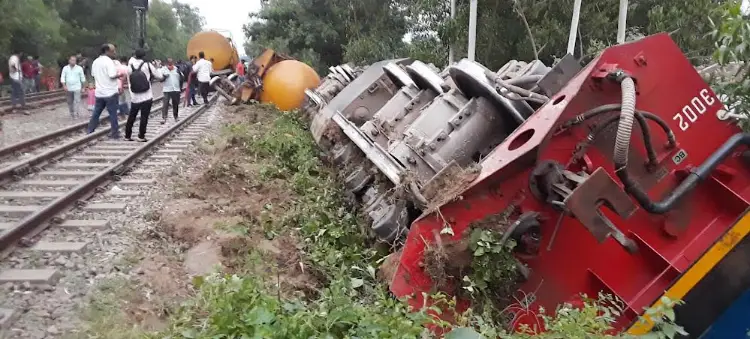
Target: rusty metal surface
<point>28,143</point>
<point>35,96</point>
<point>250,89</point>
<point>560,74</point>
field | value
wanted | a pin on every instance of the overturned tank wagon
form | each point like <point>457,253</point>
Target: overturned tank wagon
<point>221,50</point>
<point>215,46</point>
<point>621,176</point>
<point>271,77</point>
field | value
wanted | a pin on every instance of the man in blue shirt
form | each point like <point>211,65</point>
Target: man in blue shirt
<point>72,79</point>
<point>172,87</point>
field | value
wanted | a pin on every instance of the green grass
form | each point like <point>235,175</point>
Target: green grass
<point>104,317</point>
<point>351,304</point>
<point>349,301</point>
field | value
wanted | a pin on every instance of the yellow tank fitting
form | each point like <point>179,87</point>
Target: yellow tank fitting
<point>284,84</point>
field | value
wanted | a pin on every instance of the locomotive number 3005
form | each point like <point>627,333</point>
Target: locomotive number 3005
<point>698,105</point>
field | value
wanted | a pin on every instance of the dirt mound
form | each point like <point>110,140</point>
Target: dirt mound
<point>188,220</point>
<point>221,218</point>
<point>159,283</point>
<point>221,212</point>
<point>388,268</point>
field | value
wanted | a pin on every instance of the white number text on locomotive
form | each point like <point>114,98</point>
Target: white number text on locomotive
<point>690,113</point>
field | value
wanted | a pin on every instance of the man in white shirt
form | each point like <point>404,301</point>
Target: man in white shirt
<point>73,79</point>
<point>203,69</point>
<point>106,92</point>
<point>142,97</point>
<point>17,96</point>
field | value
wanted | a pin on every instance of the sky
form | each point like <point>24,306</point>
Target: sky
<point>226,15</point>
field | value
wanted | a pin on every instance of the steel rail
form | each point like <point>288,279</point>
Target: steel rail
<point>10,149</point>
<point>19,167</point>
<point>34,96</point>
<point>39,100</point>
<point>34,221</point>
<point>36,102</point>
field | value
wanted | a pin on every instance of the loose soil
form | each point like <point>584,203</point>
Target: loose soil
<point>447,185</point>
<point>212,221</point>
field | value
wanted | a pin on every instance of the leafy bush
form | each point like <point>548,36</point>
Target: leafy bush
<point>243,307</point>
<point>731,34</point>
<point>352,304</point>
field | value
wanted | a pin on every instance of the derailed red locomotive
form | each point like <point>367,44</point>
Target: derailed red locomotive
<point>622,177</point>
<point>634,226</point>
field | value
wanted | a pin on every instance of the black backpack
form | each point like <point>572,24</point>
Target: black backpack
<point>138,81</point>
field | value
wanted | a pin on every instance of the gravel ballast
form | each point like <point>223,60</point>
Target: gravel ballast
<point>17,127</point>
<point>54,310</point>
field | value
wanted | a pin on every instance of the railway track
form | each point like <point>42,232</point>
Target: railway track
<point>37,100</point>
<point>17,155</point>
<point>45,210</point>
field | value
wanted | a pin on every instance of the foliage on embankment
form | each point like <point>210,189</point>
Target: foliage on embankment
<point>348,302</point>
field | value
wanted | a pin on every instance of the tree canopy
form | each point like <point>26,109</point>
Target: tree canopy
<point>328,32</point>
<point>54,29</point>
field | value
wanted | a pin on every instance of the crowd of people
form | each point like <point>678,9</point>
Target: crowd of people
<point>121,85</point>
<point>25,78</point>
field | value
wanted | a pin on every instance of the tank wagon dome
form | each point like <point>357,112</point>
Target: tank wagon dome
<point>285,83</point>
<point>216,46</point>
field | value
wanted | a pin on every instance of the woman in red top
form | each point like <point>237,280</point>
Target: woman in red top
<point>240,71</point>
<point>27,68</point>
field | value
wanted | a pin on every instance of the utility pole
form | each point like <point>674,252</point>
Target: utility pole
<point>141,7</point>
<point>451,52</point>
<point>472,29</point>
<point>574,27</point>
<point>622,18</point>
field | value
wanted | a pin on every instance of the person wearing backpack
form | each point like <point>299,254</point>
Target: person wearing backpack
<point>140,73</point>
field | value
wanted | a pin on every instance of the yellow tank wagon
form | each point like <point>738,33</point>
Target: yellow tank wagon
<point>217,47</point>
<point>271,77</point>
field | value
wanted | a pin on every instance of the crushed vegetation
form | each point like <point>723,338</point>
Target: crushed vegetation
<point>270,249</point>
<point>449,184</point>
<point>479,267</point>
<point>289,198</point>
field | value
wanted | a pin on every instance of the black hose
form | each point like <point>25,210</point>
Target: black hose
<point>663,124</point>
<point>596,111</point>
<point>645,131</point>
<point>688,184</point>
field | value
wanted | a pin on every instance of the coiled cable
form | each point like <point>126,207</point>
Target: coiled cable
<point>625,126</point>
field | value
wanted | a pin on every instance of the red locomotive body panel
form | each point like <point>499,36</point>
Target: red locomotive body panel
<point>572,261</point>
